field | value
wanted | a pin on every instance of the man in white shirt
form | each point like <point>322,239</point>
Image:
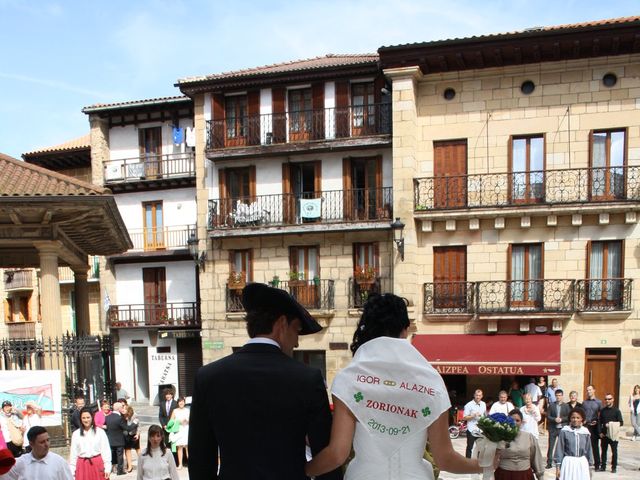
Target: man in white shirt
<point>503,405</point>
<point>40,463</point>
<point>473,410</point>
<point>534,390</point>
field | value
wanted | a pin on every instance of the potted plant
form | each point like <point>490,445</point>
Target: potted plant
<point>365,276</point>
<point>296,279</point>
<point>316,281</point>
<point>275,281</point>
<point>237,280</point>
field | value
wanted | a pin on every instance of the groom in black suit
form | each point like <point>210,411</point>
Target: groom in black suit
<point>258,405</point>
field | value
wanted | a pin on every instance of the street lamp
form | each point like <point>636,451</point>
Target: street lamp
<point>397,226</point>
<point>198,257</point>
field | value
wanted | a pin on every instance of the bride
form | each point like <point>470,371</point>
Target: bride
<point>388,402</point>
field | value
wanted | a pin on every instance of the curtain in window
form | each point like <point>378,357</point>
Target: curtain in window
<point>519,167</point>
<point>599,162</point>
<point>616,176</point>
<point>536,167</point>
<point>613,271</point>
<point>596,263</point>
<point>517,273</point>
<point>535,273</point>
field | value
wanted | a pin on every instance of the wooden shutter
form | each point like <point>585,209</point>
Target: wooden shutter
<point>252,182</point>
<point>317,104</point>
<point>449,275</point>
<point>450,169</point>
<point>279,123</point>
<point>347,203</point>
<point>7,311</point>
<point>342,109</point>
<point>317,178</point>
<point>288,201</point>
<point>217,132</point>
<point>253,110</point>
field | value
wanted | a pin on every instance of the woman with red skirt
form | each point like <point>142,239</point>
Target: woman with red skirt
<point>90,455</point>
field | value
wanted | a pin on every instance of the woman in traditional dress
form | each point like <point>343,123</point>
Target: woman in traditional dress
<point>634,406</point>
<point>573,451</point>
<point>181,438</point>
<point>387,403</point>
<point>90,453</point>
<point>156,462</point>
<point>523,457</point>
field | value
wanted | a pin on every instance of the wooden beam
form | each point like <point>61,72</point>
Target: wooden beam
<point>536,52</point>
<point>15,218</point>
<point>518,54</point>
<point>46,218</point>
<point>576,48</point>
<point>460,61</point>
<point>443,63</point>
<point>596,47</point>
<point>636,42</point>
<point>615,45</point>
<point>497,54</point>
<point>556,50</point>
<point>479,58</point>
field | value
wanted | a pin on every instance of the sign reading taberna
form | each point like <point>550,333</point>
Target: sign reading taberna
<point>179,334</point>
<point>39,386</point>
<point>163,368</point>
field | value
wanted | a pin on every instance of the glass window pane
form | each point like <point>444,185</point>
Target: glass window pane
<point>617,149</point>
<point>536,162</point>
<point>599,150</point>
<point>519,155</point>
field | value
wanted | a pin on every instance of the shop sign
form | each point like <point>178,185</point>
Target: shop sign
<point>179,333</point>
<point>494,369</point>
<point>163,368</point>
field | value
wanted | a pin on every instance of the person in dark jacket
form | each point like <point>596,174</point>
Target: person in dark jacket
<point>557,418</point>
<point>592,407</point>
<point>610,413</point>
<point>255,409</point>
<point>116,428</point>
<point>166,408</point>
<point>78,404</point>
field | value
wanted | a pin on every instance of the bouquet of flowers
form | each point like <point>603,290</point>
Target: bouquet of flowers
<point>497,431</point>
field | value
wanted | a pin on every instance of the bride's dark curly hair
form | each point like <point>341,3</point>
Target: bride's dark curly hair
<point>382,316</point>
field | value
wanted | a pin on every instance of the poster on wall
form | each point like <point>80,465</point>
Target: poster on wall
<point>163,370</point>
<point>39,386</point>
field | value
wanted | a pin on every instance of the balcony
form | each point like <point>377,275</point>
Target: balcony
<point>303,212</point>
<point>577,189</point>
<point>17,330</point>
<point>150,239</point>
<point>17,280</point>
<point>510,297</point>
<point>360,292</point>
<point>604,295</point>
<point>65,274</point>
<point>320,129</point>
<point>179,315</point>
<point>150,171</point>
<point>317,294</point>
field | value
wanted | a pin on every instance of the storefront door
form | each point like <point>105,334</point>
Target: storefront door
<point>601,369</point>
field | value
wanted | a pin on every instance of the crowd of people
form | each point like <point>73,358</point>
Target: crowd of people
<point>580,435</point>
<point>390,413</point>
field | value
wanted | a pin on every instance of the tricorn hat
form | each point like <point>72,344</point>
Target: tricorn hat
<point>258,296</point>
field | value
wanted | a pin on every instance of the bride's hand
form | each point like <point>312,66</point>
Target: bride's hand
<point>496,459</point>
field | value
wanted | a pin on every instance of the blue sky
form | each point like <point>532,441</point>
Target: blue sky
<point>59,56</point>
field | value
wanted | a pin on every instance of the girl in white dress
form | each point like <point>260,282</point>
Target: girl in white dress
<point>388,402</point>
<point>181,438</point>
<point>156,462</point>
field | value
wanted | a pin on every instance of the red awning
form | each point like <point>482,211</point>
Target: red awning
<point>491,354</point>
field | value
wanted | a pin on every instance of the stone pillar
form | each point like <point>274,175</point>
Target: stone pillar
<point>83,323</point>
<point>99,140</point>
<point>50,292</point>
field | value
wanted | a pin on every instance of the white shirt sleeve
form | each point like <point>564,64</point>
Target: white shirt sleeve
<point>105,449</point>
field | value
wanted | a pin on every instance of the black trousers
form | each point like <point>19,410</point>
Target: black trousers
<point>553,437</point>
<point>595,436</point>
<point>16,451</point>
<point>117,458</point>
<point>604,443</point>
<point>471,439</point>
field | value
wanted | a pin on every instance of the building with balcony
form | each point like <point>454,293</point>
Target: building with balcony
<point>143,152</point>
<point>516,160</point>
<point>294,174</point>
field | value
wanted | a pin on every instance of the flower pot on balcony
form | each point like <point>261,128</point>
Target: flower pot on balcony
<point>297,283</point>
<point>237,281</point>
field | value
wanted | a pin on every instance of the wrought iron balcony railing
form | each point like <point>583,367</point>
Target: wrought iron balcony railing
<point>300,126</point>
<point>18,279</point>
<point>577,185</point>
<point>161,238</point>
<point>336,206</point>
<point>317,294</point>
<point>154,315</point>
<point>449,297</point>
<point>604,294</point>
<point>492,297</point>
<point>150,167</point>
<point>360,292</point>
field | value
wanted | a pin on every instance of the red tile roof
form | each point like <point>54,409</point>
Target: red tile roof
<point>135,103</point>
<point>531,30</point>
<point>75,144</point>
<point>316,63</point>
<point>21,179</point>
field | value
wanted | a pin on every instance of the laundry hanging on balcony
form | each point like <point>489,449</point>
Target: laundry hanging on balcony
<point>191,136</point>
<point>310,207</point>
<point>178,135</point>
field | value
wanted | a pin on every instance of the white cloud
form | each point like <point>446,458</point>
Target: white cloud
<point>56,85</point>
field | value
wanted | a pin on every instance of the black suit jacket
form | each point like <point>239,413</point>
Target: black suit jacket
<point>257,406</point>
<point>116,429</point>
<point>163,415</point>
